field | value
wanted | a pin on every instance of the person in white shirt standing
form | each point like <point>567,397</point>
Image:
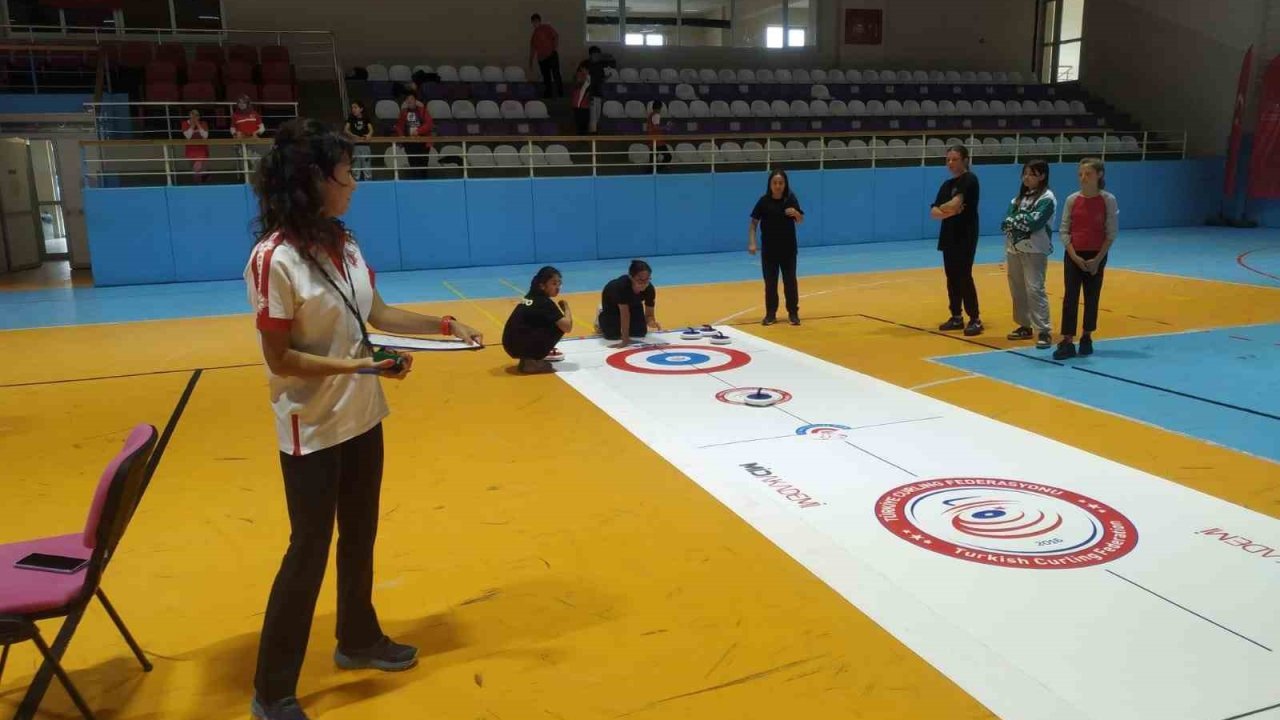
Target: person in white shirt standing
<point>313,294</point>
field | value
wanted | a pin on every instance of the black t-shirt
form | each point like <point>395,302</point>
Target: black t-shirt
<point>359,126</point>
<point>539,311</point>
<point>959,229</point>
<point>619,292</point>
<point>777,231</point>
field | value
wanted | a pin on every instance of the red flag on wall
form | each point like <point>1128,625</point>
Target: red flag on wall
<point>1237,121</point>
<point>1264,169</point>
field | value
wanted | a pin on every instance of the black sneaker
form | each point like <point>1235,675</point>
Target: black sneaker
<point>973,328</point>
<point>1044,341</point>
<point>384,655</point>
<point>1086,345</point>
<point>286,709</point>
<point>794,318</point>
<point>955,323</point>
<point>768,320</point>
<point>1066,350</point>
<point>1022,333</point>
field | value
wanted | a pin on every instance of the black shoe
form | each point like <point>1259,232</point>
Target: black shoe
<point>955,323</point>
<point>1066,350</point>
<point>1022,333</point>
<point>794,318</point>
<point>1086,345</point>
<point>384,655</point>
<point>1045,341</point>
<point>973,328</point>
<point>286,709</point>
<point>768,320</point>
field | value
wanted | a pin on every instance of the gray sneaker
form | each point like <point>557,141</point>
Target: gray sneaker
<point>286,709</point>
<point>384,655</point>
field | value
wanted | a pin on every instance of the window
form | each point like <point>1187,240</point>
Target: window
<point>773,37</point>
<point>135,15</point>
<point>701,23</point>
<point>1063,34</point>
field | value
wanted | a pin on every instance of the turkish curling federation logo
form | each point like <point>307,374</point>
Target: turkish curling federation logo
<point>824,431</point>
<point>1007,522</point>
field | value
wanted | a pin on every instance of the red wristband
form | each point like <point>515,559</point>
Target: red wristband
<point>446,325</point>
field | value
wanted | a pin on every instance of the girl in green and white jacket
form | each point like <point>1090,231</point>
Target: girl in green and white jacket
<point>1028,244</point>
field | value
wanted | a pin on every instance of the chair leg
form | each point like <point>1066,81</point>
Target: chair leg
<point>133,644</point>
<point>62,676</point>
<point>40,683</point>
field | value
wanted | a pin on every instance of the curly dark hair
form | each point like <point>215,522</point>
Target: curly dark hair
<point>288,184</point>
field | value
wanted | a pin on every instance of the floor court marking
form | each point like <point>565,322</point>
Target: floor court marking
<point>92,378</point>
<point>1028,633</point>
<point>451,288</point>
<point>1240,261</point>
<point>1077,368</point>
<point>1254,712</point>
<point>1193,612</point>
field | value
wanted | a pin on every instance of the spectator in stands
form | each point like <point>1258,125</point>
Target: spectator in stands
<point>597,62</point>
<point>656,128</point>
<point>777,213</point>
<point>957,207</point>
<point>544,48</point>
<point>246,121</point>
<point>1090,223</point>
<point>246,124</point>
<point>1028,244</point>
<point>198,153</point>
<point>627,305</point>
<point>582,99</point>
<point>414,122</point>
<point>537,323</point>
<point>358,130</point>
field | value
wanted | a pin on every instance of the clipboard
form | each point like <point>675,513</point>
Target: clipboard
<point>415,344</point>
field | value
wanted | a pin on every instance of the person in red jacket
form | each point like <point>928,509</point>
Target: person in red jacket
<point>544,47</point>
<point>193,128</point>
<point>415,122</point>
<point>246,124</point>
<point>246,121</point>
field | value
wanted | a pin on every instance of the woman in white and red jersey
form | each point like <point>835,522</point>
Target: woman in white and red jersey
<point>314,294</point>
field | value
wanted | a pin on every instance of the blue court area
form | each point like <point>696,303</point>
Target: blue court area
<point>1207,253</point>
<point>1216,385</point>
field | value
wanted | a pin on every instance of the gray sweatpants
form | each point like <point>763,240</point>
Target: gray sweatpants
<point>1026,285</point>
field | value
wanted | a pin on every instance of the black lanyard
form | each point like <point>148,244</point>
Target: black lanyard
<point>352,303</point>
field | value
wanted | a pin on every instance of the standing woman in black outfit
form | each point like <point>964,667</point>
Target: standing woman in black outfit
<point>957,207</point>
<point>777,213</point>
<point>537,323</point>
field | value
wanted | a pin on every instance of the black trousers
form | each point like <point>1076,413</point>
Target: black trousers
<point>611,323</point>
<point>528,343</point>
<point>550,69</point>
<point>1076,280</point>
<point>957,261</point>
<point>344,480</point>
<point>771,265</point>
<point>582,120</point>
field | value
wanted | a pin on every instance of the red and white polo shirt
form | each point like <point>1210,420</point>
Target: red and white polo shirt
<point>288,292</point>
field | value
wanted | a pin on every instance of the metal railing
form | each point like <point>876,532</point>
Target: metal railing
<point>163,120</point>
<point>133,163</point>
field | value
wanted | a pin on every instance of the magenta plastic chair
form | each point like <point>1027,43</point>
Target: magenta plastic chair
<point>30,595</point>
